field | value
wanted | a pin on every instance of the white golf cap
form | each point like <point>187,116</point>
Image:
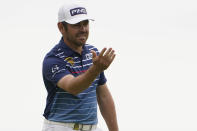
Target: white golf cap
<point>73,13</point>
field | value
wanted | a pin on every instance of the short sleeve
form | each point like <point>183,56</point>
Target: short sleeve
<point>102,79</point>
<point>54,69</point>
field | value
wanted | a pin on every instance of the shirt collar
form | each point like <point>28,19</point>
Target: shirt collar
<point>69,51</point>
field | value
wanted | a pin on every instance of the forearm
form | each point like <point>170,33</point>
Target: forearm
<point>83,81</point>
<point>107,108</point>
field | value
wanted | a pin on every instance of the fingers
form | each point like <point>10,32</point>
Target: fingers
<point>102,52</point>
<point>104,59</point>
<point>110,54</point>
<point>113,56</point>
<point>93,53</point>
<point>107,53</point>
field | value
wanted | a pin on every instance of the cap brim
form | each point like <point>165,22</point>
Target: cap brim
<point>78,19</point>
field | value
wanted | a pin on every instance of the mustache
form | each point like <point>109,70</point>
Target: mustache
<point>81,33</point>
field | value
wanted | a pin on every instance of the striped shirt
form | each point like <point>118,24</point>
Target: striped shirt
<point>62,106</point>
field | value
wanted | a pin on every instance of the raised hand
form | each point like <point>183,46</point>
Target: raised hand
<point>104,59</point>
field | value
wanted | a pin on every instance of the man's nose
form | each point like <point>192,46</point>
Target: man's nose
<point>82,27</point>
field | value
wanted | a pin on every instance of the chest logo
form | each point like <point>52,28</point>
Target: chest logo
<point>89,56</point>
<point>69,60</point>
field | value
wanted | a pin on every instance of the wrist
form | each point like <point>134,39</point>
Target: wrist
<point>93,71</point>
<point>96,69</point>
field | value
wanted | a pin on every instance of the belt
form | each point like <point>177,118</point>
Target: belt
<point>74,126</point>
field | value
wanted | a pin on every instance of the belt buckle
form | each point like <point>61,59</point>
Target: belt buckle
<point>76,126</point>
<point>86,127</point>
<point>91,127</point>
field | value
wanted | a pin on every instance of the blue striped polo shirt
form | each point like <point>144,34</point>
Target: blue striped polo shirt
<point>62,106</point>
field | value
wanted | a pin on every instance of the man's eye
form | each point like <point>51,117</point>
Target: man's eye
<point>85,24</point>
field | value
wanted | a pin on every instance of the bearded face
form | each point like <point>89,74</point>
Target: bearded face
<point>77,34</point>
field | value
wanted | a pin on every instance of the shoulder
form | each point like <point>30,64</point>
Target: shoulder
<point>55,56</point>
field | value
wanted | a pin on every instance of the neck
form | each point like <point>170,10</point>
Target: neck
<point>73,46</point>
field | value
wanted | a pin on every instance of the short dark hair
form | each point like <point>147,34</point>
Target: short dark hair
<point>65,25</point>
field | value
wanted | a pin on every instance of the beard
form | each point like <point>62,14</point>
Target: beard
<point>79,39</point>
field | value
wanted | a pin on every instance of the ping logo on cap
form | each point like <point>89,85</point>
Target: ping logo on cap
<point>77,11</point>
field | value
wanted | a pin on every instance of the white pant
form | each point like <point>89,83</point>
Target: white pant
<point>54,127</point>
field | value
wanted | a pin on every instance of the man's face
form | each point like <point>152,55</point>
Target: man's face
<point>77,34</point>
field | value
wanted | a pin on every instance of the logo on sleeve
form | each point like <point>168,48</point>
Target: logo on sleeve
<point>55,69</point>
<point>77,11</point>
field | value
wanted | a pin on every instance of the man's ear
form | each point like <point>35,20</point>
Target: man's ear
<point>60,27</point>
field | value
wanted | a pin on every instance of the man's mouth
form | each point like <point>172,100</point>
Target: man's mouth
<point>82,36</point>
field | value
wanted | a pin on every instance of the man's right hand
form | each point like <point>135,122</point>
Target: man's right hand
<point>103,60</point>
